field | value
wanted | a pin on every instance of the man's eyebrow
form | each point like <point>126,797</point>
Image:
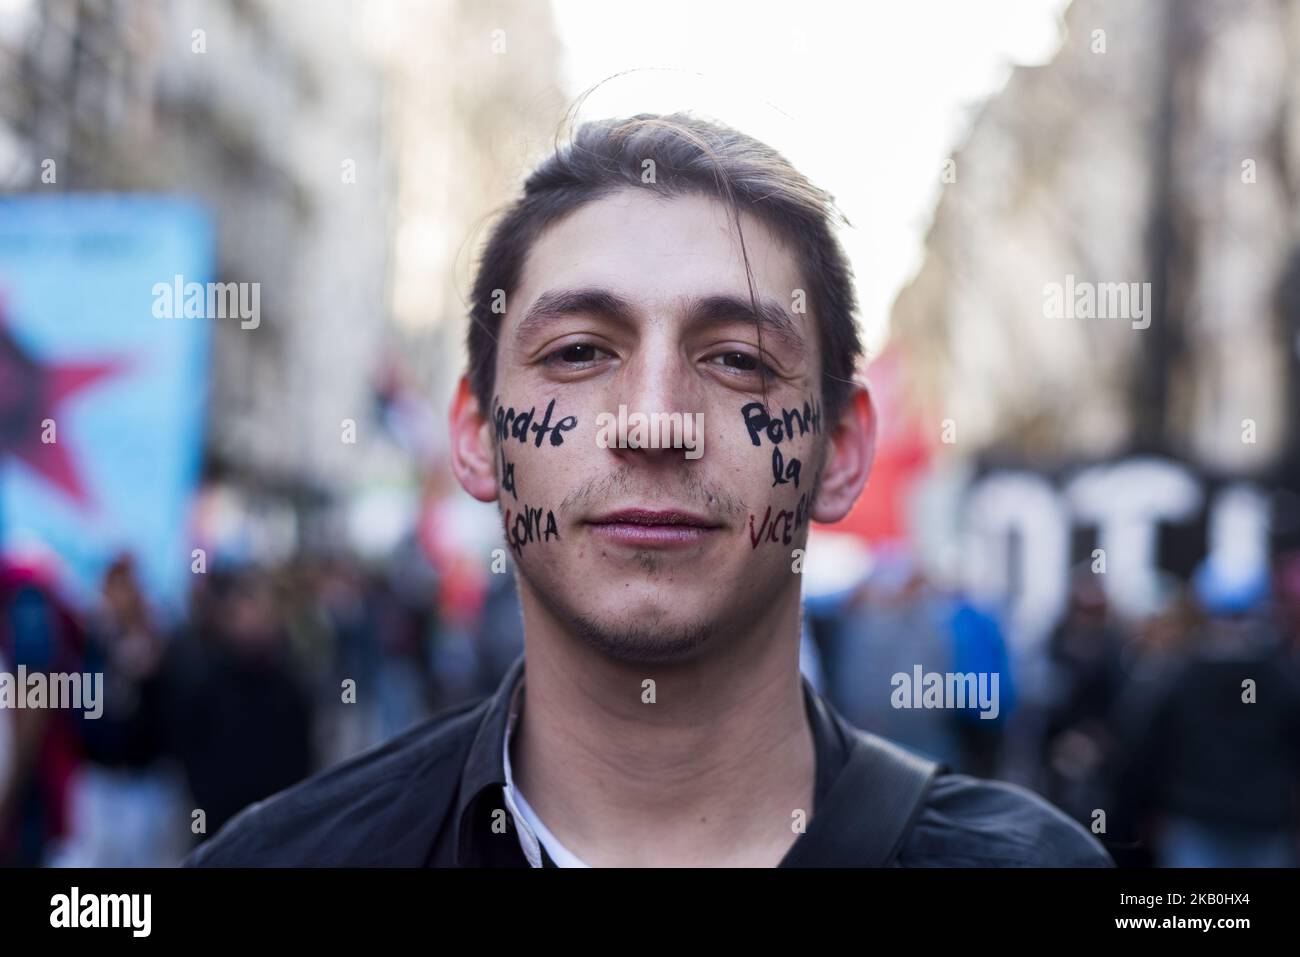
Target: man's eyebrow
<point>557,303</point>
<point>771,316</point>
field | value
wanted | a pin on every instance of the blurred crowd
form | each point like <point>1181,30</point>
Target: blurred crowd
<point>274,673</point>
<point>1175,739</point>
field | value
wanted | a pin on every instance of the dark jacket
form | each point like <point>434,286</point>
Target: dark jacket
<point>427,797</point>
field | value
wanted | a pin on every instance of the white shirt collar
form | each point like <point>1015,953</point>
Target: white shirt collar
<point>533,834</point>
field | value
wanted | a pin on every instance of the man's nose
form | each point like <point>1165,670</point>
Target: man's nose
<point>658,380</point>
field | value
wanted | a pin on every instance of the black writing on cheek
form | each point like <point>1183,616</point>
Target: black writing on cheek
<point>508,475</point>
<point>564,425</point>
<point>783,472</point>
<point>756,420</point>
<point>544,427</point>
<point>780,528</point>
<point>525,527</point>
<point>516,425</point>
<point>779,428</point>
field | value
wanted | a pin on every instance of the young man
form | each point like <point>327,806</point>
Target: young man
<point>672,267</point>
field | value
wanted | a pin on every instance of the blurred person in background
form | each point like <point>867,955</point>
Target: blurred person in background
<point>1152,646</point>
<point>237,715</point>
<point>897,619</point>
<point>1211,771</point>
<point>126,794</point>
<point>980,647</point>
<point>405,625</point>
<point>499,632</point>
<point>473,644</point>
<point>343,603</point>
<point>888,626</point>
<point>1286,584</point>
<point>40,633</point>
<point>1084,652</point>
<point>127,646</point>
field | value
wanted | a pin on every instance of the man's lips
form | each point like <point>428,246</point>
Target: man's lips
<point>650,527</point>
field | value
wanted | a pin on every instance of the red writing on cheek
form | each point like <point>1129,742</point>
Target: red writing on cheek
<point>785,523</point>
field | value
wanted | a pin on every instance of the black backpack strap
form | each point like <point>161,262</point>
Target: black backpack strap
<point>870,809</point>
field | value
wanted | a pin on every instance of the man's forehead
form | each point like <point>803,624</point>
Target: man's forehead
<point>661,254</point>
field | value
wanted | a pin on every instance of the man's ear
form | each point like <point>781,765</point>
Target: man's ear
<point>473,455</point>
<point>850,450</point>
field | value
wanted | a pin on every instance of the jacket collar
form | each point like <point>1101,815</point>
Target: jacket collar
<point>485,771</point>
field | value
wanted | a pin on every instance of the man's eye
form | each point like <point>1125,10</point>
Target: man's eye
<point>579,353</point>
<point>743,362</point>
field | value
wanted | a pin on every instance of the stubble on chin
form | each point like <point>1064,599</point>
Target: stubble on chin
<point>641,644</point>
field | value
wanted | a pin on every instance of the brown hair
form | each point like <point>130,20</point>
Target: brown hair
<point>690,155</point>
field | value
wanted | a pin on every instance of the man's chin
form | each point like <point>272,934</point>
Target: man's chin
<point>639,644</point>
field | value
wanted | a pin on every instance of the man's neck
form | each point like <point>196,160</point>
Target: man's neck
<point>710,769</point>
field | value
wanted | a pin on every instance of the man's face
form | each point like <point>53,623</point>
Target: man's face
<point>642,302</point>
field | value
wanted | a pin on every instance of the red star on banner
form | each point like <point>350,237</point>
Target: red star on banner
<point>30,393</point>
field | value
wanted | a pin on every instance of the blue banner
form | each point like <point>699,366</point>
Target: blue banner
<point>101,401</point>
